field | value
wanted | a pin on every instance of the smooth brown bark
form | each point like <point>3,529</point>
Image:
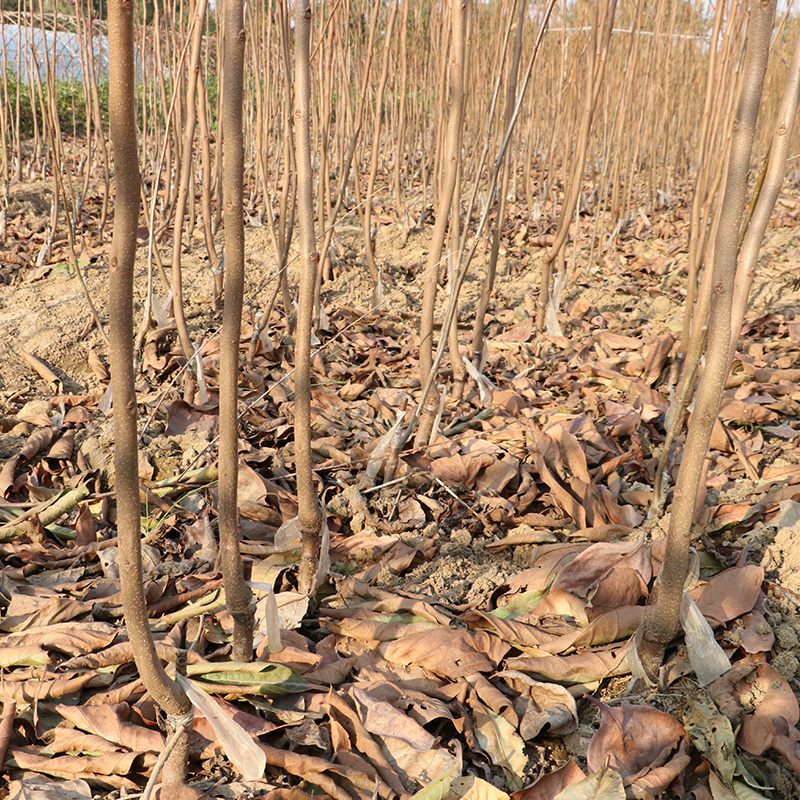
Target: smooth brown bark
<point>237,593</point>
<point>491,270</point>
<point>767,195</point>
<point>120,284</point>
<point>594,83</point>
<point>430,403</point>
<point>308,506</point>
<point>187,165</point>
<point>662,621</point>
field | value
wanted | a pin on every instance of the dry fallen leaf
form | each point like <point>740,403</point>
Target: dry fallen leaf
<point>641,743</point>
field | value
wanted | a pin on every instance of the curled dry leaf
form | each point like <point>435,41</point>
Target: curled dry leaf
<point>542,707</point>
<point>44,372</point>
<point>604,785</point>
<point>551,784</point>
<point>635,741</point>
<point>40,787</point>
<point>113,724</point>
<point>450,654</point>
<point>730,594</point>
<point>504,746</point>
<point>594,665</point>
<point>711,733</point>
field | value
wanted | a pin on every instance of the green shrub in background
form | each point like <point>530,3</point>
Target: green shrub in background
<point>70,101</point>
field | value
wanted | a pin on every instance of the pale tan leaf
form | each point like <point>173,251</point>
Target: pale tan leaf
<point>471,787</point>
<point>504,746</point>
<point>113,724</point>
<point>238,745</point>
<point>546,705</point>
<point>40,787</point>
<point>603,785</point>
<point>577,668</point>
<point>385,720</point>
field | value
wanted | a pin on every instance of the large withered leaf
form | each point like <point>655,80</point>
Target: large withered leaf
<point>450,654</point>
<point>586,667</point>
<point>633,740</point>
<point>504,746</point>
<point>461,469</point>
<point>582,574</point>
<point>36,787</point>
<point>39,690</point>
<point>729,594</point>
<point>71,638</point>
<point>711,733</point>
<point>110,768</point>
<point>113,724</point>
<point>384,719</point>
<point>542,706</point>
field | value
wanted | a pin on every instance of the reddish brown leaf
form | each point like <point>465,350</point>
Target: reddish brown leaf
<point>550,785</point>
<point>730,594</point>
<point>451,654</point>
<point>633,740</point>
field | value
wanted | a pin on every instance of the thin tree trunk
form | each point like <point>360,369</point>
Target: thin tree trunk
<point>121,104</point>
<point>593,86</point>
<point>187,165</point>
<point>491,270</point>
<point>767,195</point>
<point>450,157</point>
<point>373,162</point>
<point>662,621</point>
<point>308,508</point>
<point>237,593</point>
